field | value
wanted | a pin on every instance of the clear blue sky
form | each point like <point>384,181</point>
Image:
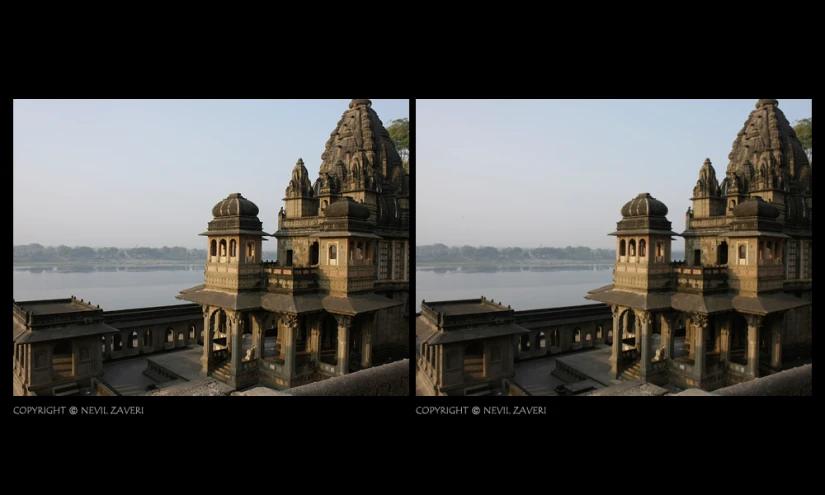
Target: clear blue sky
<point>148,172</point>
<point>557,172</point>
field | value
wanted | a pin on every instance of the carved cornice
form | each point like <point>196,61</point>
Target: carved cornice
<point>699,320</point>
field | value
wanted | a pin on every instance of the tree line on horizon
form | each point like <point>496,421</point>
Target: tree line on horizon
<point>441,252</point>
<point>38,252</point>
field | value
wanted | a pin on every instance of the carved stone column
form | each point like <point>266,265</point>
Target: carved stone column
<point>315,340</point>
<point>754,324</point>
<point>366,343</point>
<point>234,330</point>
<point>257,320</point>
<point>616,355</point>
<point>208,336</point>
<point>344,325</point>
<point>776,346</point>
<point>290,326</point>
<point>643,320</point>
<point>700,325</point>
<point>669,320</point>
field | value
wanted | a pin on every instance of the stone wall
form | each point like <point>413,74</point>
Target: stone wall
<point>389,379</point>
<point>795,381</point>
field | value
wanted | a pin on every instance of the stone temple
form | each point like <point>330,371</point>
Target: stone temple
<point>742,297</point>
<point>336,300</point>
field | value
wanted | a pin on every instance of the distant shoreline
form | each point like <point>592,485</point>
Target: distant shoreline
<point>17,264</point>
<point>430,264</point>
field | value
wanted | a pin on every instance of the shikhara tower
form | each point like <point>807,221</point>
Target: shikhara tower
<point>336,300</point>
<point>742,296</point>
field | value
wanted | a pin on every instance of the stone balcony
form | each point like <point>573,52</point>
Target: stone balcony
<point>700,278</point>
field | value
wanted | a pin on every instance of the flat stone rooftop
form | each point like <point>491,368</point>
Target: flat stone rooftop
<point>595,364</point>
<point>55,306</point>
<point>185,364</point>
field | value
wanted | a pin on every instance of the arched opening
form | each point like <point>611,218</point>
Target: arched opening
<point>213,249</point>
<point>272,345</point>
<point>324,204</point>
<point>642,248</point>
<point>524,344</point>
<point>631,248</point>
<point>622,248</point>
<point>250,251</point>
<point>233,249</point>
<point>170,336</point>
<point>192,332</point>
<point>540,341</point>
<point>117,342</point>
<point>147,338</point>
<point>732,204</point>
<point>351,251</point>
<point>609,339</point>
<point>474,360</point>
<point>180,337</point>
<point>743,254</point>
<point>132,343</point>
<point>577,336</point>
<point>738,339</point>
<point>313,253</point>
<point>554,338</point>
<point>368,252</point>
<point>62,359</point>
<point>359,251</point>
<point>599,332</point>
<point>333,254</point>
<point>722,253</point>
<point>769,251</point>
<point>588,336</point>
<point>223,247</point>
<point>329,340</point>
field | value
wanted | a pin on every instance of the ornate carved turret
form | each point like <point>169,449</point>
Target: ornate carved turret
<point>707,196</point>
<point>758,245</point>
<point>643,238</point>
<point>348,249</point>
<point>234,240</point>
<point>299,193</point>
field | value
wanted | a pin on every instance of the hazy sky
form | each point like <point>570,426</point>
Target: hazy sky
<point>557,172</point>
<point>148,172</point>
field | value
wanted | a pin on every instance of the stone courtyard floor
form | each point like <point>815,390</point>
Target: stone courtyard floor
<point>534,376</point>
<point>126,375</point>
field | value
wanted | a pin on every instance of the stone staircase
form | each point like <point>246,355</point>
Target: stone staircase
<point>634,372</point>
<point>63,390</point>
<point>222,371</point>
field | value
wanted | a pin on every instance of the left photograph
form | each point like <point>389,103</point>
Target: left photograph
<point>211,247</point>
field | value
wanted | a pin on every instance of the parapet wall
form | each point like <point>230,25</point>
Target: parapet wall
<point>795,381</point>
<point>388,380</point>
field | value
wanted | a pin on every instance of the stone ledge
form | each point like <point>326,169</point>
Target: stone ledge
<point>204,387</point>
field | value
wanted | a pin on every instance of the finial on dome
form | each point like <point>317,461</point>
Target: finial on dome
<point>762,103</point>
<point>707,161</point>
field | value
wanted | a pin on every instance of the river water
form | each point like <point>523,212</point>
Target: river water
<point>110,286</point>
<point>520,286</point>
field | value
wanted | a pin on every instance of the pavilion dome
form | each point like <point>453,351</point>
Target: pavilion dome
<point>756,207</point>
<point>235,205</point>
<point>347,207</point>
<point>644,205</point>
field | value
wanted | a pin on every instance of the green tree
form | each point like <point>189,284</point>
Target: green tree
<point>803,132</point>
<point>399,130</point>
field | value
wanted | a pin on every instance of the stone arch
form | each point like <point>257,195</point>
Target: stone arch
<point>524,344</point>
<point>213,248</point>
<point>313,253</point>
<point>250,251</point>
<point>333,254</point>
<point>117,342</point>
<point>192,332</point>
<point>631,248</point>
<point>62,359</point>
<point>599,332</point>
<point>474,359</point>
<point>222,247</point>
<point>170,336</point>
<point>132,342</point>
<point>642,248</point>
<point>722,253</point>
<point>180,336</point>
<point>540,341</point>
<point>622,248</point>
<point>577,335</point>
<point>233,248</point>
<point>732,204</point>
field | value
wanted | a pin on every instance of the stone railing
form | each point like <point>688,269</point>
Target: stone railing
<point>386,380</point>
<point>102,388</point>
<point>512,389</point>
<point>795,381</point>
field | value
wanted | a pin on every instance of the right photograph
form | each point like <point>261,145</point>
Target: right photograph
<point>589,247</point>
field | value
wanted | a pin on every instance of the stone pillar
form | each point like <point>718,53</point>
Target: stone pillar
<point>688,345</point>
<point>344,325</point>
<point>366,344</point>
<point>776,346</point>
<point>725,332</point>
<point>616,355</point>
<point>107,354</point>
<point>700,325</point>
<point>754,324</point>
<point>667,336</point>
<point>208,335</point>
<point>289,327</point>
<point>643,335</point>
<point>237,342</point>
<point>315,340</point>
<point>257,320</point>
